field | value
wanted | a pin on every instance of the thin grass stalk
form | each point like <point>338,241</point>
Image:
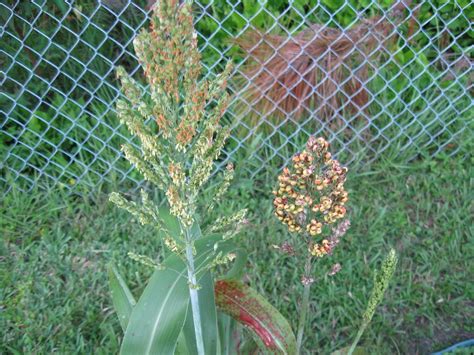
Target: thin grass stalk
<point>382,279</point>
<point>304,304</point>
<point>357,338</point>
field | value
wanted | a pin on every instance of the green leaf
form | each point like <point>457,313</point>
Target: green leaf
<point>226,326</point>
<point>268,327</point>
<point>158,318</point>
<point>333,4</point>
<point>207,306</point>
<point>171,224</point>
<point>181,348</point>
<point>122,298</point>
<point>237,270</point>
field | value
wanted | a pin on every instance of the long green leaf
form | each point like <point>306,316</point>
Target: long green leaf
<point>122,298</point>
<point>158,318</point>
<point>171,224</point>
<point>226,334</point>
<point>268,327</point>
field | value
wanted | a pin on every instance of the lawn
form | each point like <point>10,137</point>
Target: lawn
<point>56,246</point>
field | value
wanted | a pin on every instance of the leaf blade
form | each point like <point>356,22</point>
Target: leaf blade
<point>152,327</point>
<point>268,327</point>
<point>122,298</point>
<point>158,318</point>
<point>237,270</point>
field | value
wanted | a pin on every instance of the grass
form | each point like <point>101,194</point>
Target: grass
<point>422,210</point>
<point>55,248</point>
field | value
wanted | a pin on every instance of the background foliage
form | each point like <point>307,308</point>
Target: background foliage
<point>59,87</point>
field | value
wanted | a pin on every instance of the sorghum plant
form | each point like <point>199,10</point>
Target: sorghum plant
<point>310,200</point>
<point>310,197</point>
<point>176,157</point>
<point>178,125</point>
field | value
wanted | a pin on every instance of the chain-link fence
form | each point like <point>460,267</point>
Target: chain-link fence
<point>376,78</point>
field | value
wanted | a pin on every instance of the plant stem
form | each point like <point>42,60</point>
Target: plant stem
<point>193,294</point>
<point>356,340</point>
<point>305,304</point>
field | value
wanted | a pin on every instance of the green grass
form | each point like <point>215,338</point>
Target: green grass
<point>55,249</point>
<point>422,210</point>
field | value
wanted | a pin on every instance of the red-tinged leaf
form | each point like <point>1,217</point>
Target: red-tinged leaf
<point>268,327</point>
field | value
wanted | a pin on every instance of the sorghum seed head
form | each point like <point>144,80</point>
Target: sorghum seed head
<point>311,195</point>
<point>311,191</point>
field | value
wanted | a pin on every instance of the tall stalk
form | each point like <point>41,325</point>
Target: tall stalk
<point>193,294</point>
<point>305,302</point>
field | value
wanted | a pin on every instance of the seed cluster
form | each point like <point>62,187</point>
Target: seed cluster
<point>311,192</point>
<point>187,109</point>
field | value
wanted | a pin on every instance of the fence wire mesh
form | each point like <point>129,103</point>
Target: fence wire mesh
<point>375,78</point>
